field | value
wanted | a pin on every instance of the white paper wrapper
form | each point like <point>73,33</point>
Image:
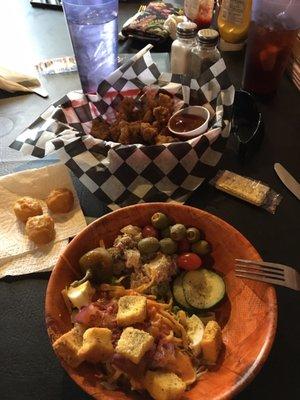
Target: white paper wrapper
<point>35,183</point>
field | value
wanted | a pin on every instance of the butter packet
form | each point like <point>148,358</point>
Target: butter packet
<point>248,189</point>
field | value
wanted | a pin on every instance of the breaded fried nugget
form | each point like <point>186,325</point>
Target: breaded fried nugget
<point>161,114</point>
<point>148,132</point>
<point>165,101</point>
<point>135,128</point>
<point>148,116</point>
<point>126,106</point>
<point>161,139</point>
<point>100,129</point>
<point>124,137</point>
<point>134,131</point>
<point>114,131</point>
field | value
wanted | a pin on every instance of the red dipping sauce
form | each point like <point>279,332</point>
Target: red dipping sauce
<point>186,122</point>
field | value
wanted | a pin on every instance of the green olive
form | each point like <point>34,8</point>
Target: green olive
<point>193,235</point>
<point>178,232</point>
<point>94,258</point>
<point>160,220</point>
<point>168,246</point>
<point>148,245</point>
<point>202,248</point>
<point>166,233</point>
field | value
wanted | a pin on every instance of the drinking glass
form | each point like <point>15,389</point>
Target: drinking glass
<point>272,32</point>
<point>93,30</point>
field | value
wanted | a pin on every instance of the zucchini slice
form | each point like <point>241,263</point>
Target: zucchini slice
<point>178,291</point>
<point>203,288</point>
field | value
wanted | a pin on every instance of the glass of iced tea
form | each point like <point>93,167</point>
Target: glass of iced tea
<point>273,29</point>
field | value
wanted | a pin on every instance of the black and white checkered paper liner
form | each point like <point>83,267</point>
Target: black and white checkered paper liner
<point>120,175</point>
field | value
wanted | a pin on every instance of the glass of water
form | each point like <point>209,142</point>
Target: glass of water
<point>93,29</point>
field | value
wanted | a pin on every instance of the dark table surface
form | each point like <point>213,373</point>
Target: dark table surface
<point>28,366</point>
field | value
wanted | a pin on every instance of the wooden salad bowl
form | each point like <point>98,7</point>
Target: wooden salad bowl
<point>248,315</point>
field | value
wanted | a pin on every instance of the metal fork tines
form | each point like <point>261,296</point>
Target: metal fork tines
<point>277,274</point>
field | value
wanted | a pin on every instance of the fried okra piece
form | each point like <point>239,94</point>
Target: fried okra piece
<point>148,132</point>
<point>100,129</point>
<point>114,131</point>
<point>126,106</point>
<point>148,116</point>
<point>124,137</point>
<point>128,111</point>
<point>165,101</point>
<point>161,114</point>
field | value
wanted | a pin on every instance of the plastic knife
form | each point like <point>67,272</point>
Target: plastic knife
<point>289,181</point>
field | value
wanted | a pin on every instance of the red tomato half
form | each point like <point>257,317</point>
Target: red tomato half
<point>189,261</point>
<point>149,231</point>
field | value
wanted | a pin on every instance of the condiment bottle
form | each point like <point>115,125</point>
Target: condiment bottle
<point>233,23</point>
<point>205,54</point>
<point>199,11</point>
<point>181,47</point>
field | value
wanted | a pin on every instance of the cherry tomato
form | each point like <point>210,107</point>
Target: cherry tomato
<point>189,261</point>
<point>149,231</point>
<point>183,246</point>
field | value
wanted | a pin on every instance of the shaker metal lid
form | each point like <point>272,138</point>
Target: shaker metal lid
<point>210,36</point>
<point>186,29</point>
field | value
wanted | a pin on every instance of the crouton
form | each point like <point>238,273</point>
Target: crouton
<point>68,345</point>
<point>211,342</point>
<point>164,385</point>
<point>134,343</point>
<point>131,309</point>
<point>97,345</point>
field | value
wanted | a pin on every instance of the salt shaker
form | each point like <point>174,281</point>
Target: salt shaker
<point>181,47</point>
<point>205,54</point>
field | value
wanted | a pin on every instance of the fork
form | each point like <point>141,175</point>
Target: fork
<point>277,274</point>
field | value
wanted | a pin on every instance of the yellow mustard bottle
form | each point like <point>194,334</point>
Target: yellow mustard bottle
<point>233,23</point>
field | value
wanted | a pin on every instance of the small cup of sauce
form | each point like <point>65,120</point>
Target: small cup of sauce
<point>189,122</point>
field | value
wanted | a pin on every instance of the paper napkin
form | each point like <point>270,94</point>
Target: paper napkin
<point>37,183</point>
<point>12,81</point>
<point>41,260</point>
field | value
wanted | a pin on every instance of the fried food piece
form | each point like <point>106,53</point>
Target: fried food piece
<point>148,116</point>
<point>127,105</point>
<point>166,101</point>
<point>161,114</point>
<point>164,131</point>
<point>114,131</point>
<point>40,229</point>
<point>149,100</point>
<point>127,110</point>
<point>125,134</point>
<point>148,132</point>
<point>27,207</point>
<point>100,129</point>
<point>135,128</point>
<point>133,134</point>
<point>60,201</point>
<point>161,139</point>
